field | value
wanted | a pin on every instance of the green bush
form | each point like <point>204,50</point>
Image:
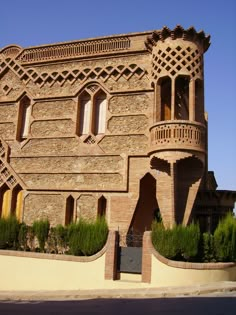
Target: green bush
<point>60,233</point>
<point>87,238</point>
<point>165,241</point>
<point>22,237</point>
<point>225,239</point>
<point>9,229</point>
<point>208,252</point>
<point>178,243</point>
<point>41,230</point>
<point>189,241</point>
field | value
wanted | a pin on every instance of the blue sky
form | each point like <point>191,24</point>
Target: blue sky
<point>30,23</point>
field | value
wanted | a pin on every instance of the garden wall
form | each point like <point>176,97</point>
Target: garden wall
<point>24,271</point>
<point>160,271</point>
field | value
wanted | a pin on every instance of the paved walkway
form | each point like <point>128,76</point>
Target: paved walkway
<point>196,290</point>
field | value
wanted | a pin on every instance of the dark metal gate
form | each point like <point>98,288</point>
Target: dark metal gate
<point>130,257</point>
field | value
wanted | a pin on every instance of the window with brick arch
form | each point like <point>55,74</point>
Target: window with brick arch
<point>24,113</point>
<point>92,111</point>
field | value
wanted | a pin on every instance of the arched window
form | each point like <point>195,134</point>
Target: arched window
<point>182,98</point>
<point>5,201</point>
<point>199,101</point>
<point>85,113</point>
<point>69,210</point>
<point>92,111</point>
<point>23,118</point>
<point>17,202</point>
<point>102,206</point>
<point>100,113</point>
<point>165,87</point>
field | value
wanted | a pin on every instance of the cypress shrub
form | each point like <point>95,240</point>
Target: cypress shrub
<point>87,238</point>
<point>178,243</point>
<point>208,254</point>
<point>22,237</point>
<point>225,239</point>
<point>9,229</point>
<point>165,241</point>
<point>41,230</point>
<point>3,233</point>
<point>189,237</point>
<point>60,233</point>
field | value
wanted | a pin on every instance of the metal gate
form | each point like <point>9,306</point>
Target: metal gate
<point>130,257</point>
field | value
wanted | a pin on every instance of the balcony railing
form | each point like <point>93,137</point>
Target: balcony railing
<point>174,135</point>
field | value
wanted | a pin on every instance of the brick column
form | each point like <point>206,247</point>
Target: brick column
<point>147,258</point>
<point>111,256</point>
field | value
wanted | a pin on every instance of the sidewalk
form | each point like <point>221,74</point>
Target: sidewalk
<point>142,293</point>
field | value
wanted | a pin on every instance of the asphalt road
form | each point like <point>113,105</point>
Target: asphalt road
<point>219,304</point>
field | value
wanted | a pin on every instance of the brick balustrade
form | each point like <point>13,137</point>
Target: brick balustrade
<point>177,135</point>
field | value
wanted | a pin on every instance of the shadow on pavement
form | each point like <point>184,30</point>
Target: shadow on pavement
<point>163,306</point>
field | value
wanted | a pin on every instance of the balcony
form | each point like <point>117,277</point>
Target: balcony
<point>178,135</point>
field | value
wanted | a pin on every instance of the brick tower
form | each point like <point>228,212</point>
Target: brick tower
<point>178,145</point>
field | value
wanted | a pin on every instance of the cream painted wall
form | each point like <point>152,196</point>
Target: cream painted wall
<point>164,275</point>
<point>24,273</point>
<point>34,274</point>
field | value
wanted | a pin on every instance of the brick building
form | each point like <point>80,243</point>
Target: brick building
<point>113,125</point>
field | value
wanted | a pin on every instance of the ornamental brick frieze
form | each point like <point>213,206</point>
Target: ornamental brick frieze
<point>75,49</point>
<point>71,76</point>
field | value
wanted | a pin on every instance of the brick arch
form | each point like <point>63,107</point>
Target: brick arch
<point>146,206</point>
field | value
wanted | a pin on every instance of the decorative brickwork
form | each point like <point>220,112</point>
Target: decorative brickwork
<point>112,125</point>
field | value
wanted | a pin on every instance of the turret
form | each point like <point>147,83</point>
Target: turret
<point>178,133</point>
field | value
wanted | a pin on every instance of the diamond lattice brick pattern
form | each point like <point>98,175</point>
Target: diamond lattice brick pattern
<point>2,150</point>
<point>173,60</point>
<point>90,140</point>
<point>12,181</point>
<point>72,76</point>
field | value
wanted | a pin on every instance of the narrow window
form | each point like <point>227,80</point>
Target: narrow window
<point>69,210</point>
<point>24,118</point>
<point>5,201</point>
<point>199,101</point>
<point>85,113</point>
<point>166,99</point>
<point>182,98</point>
<point>100,113</point>
<point>102,205</point>
<point>17,202</point>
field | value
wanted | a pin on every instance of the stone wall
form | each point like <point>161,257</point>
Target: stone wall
<point>44,206</point>
<point>54,161</point>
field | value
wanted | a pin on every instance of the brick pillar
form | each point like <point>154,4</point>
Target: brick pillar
<point>147,257</point>
<point>111,256</point>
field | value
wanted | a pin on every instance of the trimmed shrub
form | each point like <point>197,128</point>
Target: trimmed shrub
<point>208,252</point>
<point>189,241</point>
<point>225,239</point>
<point>22,237</point>
<point>41,230</point>
<point>87,238</point>
<point>165,241</point>
<point>178,243</point>
<point>60,233</point>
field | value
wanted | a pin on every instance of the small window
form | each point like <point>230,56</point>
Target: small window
<point>85,113</point>
<point>100,113</point>
<point>17,202</point>
<point>23,119</point>
<point>166,99</point>
<point>182,98</point>
<point>5,201</point>
<point>69,210</point>
<point>199,101</point>
<point>102,206</point>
